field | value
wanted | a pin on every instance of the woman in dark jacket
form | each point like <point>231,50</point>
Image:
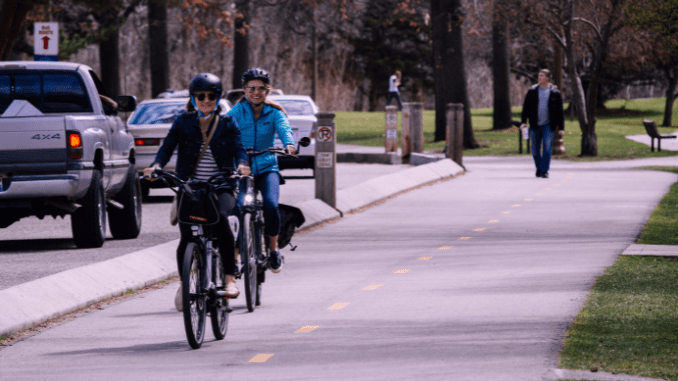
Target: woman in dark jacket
<point>189,132</point>
<point>543,106</point>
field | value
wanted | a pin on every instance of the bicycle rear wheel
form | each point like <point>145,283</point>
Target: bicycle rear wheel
<point>249,261</point>
<point>219,306</point>
<point>193,297</point>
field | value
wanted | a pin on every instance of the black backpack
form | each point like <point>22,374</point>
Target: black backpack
<point>290,219</point>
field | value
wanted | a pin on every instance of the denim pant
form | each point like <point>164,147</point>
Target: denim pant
<point>395,95</point>
<point>541,145</point>
<point>269,187</point>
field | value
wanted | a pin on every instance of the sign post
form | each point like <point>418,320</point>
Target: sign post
<point>391,129</point>
<point>326,159</point>
<point>46,41</point>
<point>455,132</point>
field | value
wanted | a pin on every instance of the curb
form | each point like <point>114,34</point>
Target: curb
<point>33,303</point>
<point>557,374</point>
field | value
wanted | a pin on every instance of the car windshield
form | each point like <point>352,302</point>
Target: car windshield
<point>296,107</point>
<point>157,113</point>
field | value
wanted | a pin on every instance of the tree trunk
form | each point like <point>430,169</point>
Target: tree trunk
<point>12,21</point>
<point>109,58</point>
<point>501,116</point>
<point>455,74</point>
<point>439,23</point>
<point>241,60</point>
<point>159,55</point>
<point>314,76</point>
<point>672,78</point>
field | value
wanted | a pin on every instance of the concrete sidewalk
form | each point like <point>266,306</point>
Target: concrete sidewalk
<point>32,303</point>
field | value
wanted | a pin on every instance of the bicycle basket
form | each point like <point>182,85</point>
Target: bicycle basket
<point>199,206</point>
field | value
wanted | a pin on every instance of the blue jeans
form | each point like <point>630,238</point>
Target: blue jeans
<point>541,145</point>
<point>395,95</point>
<point>269,187</point>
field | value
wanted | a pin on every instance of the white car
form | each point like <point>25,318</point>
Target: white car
<point>149,125</point>
<point>301,112</point>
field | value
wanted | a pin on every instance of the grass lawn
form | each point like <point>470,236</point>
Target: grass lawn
<point>367,128</point>
<point>629,323</point>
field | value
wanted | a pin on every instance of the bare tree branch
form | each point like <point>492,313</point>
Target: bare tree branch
<point>591,24</point>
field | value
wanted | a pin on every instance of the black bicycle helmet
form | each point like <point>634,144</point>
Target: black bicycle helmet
<point>255,73</point>
<point>205,82</point>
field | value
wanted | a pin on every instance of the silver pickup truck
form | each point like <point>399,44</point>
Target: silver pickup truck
<point>64,150</point>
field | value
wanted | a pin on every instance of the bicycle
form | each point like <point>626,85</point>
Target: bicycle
<point>253,244</point>
<point>203,273</point>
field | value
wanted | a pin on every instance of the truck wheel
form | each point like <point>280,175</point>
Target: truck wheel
<point>88,223</point>
<point>126,223</point>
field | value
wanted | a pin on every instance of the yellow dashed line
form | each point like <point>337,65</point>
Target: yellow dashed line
<point>338,306</point>
<point>556,185</point>
<point>529,199</point>
<point>549,188</point>
<point>424,258</point>
<point>516,206</point>
<point>372,287</point>
<point>307,328</point>
<point>478,229</point>
<point>492,221</point>
<point>506,212</point>
<point>261,357</point>
<point>445,247</point>
<point>463,238</point>
<point>401,271</point>
<point>538,194</point>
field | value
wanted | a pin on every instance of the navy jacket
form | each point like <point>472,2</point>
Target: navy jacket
<point>531,106</point>
<point>226,145</point>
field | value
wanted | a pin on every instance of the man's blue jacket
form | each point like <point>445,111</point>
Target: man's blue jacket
<point>226,145</point>
<point>261,134</point>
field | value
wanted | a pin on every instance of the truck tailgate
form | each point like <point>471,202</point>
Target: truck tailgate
<point>32,145</point>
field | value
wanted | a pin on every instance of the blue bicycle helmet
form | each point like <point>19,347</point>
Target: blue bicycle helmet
<point>255,73</point>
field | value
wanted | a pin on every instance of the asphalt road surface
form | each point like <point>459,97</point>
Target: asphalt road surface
<point>475,278</point>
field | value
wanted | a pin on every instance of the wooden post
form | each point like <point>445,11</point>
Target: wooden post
<point>406,144</point>
<point>326,159</point>
<point>455,132</point>
<point>391,140</point>
<point>417,126</point>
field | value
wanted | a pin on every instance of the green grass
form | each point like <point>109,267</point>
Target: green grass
<point>629,323</point>
<point>662,227</point>
<point>367,128</point>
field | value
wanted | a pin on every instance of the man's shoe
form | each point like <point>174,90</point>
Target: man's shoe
<point>539,173</point>
<point>275,262</point>
<point>545,175</point>
<point>231,290</point>
<point>178,303</point>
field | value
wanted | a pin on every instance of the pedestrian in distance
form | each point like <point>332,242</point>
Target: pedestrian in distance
<point>259,120</point>
<point>543,106</point>
<point>190,132</point>
<point>393,92</point>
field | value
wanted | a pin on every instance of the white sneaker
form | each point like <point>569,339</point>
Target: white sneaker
<point>178,303</point>
<point>231,290</point>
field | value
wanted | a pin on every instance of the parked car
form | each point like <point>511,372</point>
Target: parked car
<point>149,125</point>
<point>301,112</point>
<point>233,96</point>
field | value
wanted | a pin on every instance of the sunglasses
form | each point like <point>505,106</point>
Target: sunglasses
<point>201,97</point>
<point>252,89</point>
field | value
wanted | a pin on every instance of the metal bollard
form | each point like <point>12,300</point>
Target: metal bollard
<point>391,140</point>
<point>455,132</point>
<point>406,143</point>
<point>326,159</point>
<point>417,126</point>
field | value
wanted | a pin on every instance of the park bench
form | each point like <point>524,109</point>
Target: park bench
<point>651,129</point>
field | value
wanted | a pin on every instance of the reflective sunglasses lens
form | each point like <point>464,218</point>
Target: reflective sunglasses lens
<point>210,96</point>
<point>252,89</point>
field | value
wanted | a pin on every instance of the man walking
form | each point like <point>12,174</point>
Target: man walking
<point>543,106</point>
<point>393,83</point>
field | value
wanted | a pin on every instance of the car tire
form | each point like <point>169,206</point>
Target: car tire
<point>126,223</point>
<point>88,223</point>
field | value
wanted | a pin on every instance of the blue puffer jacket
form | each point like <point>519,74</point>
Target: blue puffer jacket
<point>261,134</point>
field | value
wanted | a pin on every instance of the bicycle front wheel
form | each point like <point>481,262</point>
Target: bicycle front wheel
<point>219,306</point>
<point>249,261</point>
<point>193,295</point>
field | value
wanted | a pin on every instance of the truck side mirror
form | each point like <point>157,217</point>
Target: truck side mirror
<point>127,103</point>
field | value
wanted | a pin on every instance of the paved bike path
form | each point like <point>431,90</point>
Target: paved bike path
<point>472,279</point>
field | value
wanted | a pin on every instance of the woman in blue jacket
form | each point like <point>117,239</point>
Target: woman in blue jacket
<point>259,120</point>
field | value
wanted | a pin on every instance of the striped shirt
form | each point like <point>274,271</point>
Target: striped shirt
<point>207,167</point>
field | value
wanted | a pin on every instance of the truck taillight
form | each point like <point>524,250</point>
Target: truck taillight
<point>147,142</point>
<point>74,145</point>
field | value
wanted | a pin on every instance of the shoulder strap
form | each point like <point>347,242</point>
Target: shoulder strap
<point>215,121</point>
